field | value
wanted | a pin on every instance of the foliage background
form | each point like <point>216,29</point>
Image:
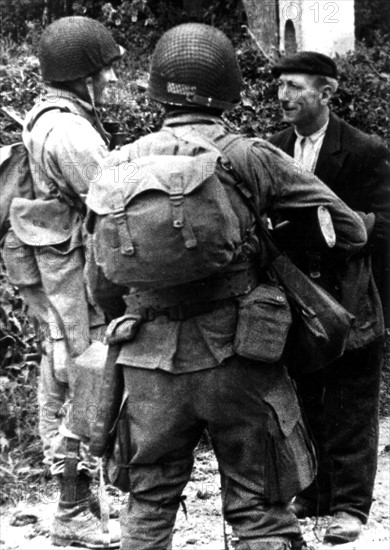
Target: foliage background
<point>362,99</point>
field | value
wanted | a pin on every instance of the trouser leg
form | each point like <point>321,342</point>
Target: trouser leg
<point>263,452</point>
<point>257,443</point>
<point>54,425</point>
<point>341,407</point>
<point>154,499</point>
<point>51,398</point>
<point>311,391</point>
<point>351,411</point>
<point>164,432</point>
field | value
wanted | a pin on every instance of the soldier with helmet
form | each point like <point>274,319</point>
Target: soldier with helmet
<point>181,372</point>
<point>44,250</point>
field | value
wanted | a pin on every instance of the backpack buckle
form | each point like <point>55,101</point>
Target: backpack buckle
<point>148,313</point>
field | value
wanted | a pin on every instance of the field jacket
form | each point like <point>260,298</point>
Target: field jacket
<point>66,152</point>
<point>206,340</point>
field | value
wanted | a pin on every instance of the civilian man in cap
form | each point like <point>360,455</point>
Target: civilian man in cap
<point>341,401</point>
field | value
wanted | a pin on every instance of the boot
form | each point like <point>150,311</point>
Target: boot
<point>272,543</point>
<point>94,506</point>
<point>343,528</point>
<point>268,543</point>
<point>74,523</point>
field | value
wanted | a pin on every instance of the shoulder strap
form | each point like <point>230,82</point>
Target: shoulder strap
<point>74,202</point>
<point>34,120</point>
<point>232,146</point>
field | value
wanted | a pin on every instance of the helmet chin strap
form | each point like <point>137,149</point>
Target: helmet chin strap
<point>91,93</point>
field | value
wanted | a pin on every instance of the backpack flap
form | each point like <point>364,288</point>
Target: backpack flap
<point>172,222</point>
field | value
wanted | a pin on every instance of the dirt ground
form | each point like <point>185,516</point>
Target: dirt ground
<point>26,525</point>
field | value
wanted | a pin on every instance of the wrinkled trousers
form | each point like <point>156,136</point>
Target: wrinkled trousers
<point>341,407</point>
<point>253,418</point>
<point>54,406</point>
<point>57,272</point>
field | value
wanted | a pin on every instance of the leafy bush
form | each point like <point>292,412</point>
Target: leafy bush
<point>363,96</point>
<point>21,452</point>
<point>21,84</point>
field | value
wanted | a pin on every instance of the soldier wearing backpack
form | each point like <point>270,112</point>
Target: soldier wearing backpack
<point>172,228</point>
<point>44,250</point>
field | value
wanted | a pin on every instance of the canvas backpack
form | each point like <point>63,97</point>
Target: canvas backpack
<point>15,175</point>
<point>168,218</point>
<point>15,180</point>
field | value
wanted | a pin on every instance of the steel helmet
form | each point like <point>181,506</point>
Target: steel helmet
<point>75,47</point>
<point>195,64</point>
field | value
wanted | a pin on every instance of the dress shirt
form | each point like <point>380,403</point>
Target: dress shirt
<point>307,148</point>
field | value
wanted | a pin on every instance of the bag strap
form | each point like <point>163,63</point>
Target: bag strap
<point>72,201</point>
<point>229,146</point>
<point>35,119</point>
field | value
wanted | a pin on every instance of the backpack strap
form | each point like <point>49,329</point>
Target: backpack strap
<point>72,201</point>
<point>35,119</point>
<point>233,146</point>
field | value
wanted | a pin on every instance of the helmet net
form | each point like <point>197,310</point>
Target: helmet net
<point>75,47</point>
<point>195,64</point>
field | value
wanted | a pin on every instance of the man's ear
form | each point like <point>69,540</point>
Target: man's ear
<point>326,94</point>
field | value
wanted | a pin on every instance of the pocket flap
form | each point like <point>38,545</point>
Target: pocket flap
<point>40,222</point>
<point>265,294</point>
<point>284,402</point>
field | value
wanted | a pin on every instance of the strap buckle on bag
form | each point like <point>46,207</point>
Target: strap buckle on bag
<point>119,213</point>
<point>181,312</point>
<point>174,313</point>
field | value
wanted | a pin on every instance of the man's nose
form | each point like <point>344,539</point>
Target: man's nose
<point>111,75</point>
<point>282,93</point>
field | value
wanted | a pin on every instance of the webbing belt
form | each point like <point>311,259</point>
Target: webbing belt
<point>184,301</point>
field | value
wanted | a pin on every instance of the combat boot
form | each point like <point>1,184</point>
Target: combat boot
<point>272,543</point>
<point>74,523</point>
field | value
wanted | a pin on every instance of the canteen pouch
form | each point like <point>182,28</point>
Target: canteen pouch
<point>264,319</point>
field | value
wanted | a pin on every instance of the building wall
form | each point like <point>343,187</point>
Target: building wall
<point>318,25</point>
<point>263,20</point>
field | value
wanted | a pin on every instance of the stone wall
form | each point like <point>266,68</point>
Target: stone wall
<point>288,26</point>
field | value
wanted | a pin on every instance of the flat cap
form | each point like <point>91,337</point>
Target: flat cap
<point>306,63</point>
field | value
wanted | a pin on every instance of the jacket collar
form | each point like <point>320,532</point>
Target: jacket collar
<point>331,157</point>
<point>76,105</point>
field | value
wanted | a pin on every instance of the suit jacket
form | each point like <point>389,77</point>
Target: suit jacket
<point>356,167</point>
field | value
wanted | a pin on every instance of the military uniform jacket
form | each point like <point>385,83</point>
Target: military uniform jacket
<point>66,152</point>
<point>206,340</point>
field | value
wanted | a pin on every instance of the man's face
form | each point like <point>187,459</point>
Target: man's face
<point>300,99</point>
<point>100,82</point>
